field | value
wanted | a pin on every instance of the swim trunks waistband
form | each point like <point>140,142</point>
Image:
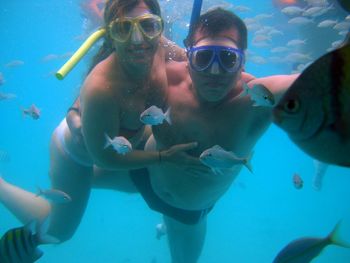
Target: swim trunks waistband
<point>141,179</point>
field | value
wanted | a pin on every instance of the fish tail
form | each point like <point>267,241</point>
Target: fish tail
<point>23,110</point>
<point>40,192</point>
<point>247,162</point>
<point>108,141</point>
<point>41,229</point>
<point>335,238</point>
<point>245,91</point>
<point>167,116</point>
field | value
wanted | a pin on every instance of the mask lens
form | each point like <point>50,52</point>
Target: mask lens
<point>151,27</point>
<point>228,59</point>
<point>201,59</point>
<point>120,30</point>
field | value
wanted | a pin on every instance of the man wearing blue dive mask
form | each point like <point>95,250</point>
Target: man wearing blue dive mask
<point>206,106</point>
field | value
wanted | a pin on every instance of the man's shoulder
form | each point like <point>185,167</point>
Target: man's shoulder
<point>177,72</point>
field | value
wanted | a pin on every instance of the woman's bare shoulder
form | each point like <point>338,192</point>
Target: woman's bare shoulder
<point>98,80</point>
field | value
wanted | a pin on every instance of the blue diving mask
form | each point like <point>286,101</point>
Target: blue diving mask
<point>202,57</point>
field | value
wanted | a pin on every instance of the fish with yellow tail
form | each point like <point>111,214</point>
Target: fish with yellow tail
<point>20,244</point>
<point>304,250</point>
<point>315,111</point>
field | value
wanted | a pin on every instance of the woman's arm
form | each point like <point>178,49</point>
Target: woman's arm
<point>100,116</point>
<point>74,121</point>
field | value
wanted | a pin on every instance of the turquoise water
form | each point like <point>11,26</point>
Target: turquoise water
<point>260,214</point>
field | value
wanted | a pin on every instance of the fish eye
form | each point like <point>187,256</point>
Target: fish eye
<point>291,106</point>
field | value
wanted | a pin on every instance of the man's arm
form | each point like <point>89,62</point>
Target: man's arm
<point>277,84</point>
<point>172,51</point>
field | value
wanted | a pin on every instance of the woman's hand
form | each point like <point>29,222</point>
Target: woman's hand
<point>177,155</point>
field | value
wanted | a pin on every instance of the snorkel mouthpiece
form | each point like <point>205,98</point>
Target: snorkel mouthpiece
<point>77,56</point>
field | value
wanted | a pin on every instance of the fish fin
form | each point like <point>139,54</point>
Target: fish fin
<point>248,162</point>
<point>167,115</point>
<point>108,141</point>
<point>334,236</point>
<point>217,171</point>
<point>40,192</point>
<point>217,147</point>
<point>245,91</point>
<point>48,239</point>
<point>30,226</point>
<point>44,238</point>
<point>37,254</point>
<point>23,110</point>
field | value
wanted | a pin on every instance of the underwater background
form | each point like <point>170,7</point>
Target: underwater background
<point>252,222</point>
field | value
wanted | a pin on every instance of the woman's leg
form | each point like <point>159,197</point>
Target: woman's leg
<point>66,175</point>
<point>24,205</point>
<point>114,180</point>
<point>75,180</point>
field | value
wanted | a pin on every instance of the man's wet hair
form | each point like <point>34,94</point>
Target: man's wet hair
<point>214,22</point>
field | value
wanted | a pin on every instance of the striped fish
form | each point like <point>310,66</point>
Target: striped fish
<point>20,245</point>
<point>315,111</point>
<point>345,4</point>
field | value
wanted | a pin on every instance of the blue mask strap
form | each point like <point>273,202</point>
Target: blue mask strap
<point>196,12</point>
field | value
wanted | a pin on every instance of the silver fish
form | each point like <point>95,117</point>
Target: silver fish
<point>297,181</point>
<point>2,79</point>
<point>161,230</point>
<point>120,144</point>
<point>304,250</point>
<point>218,158</point>
<point>54,195</point>
<point>292,10</point>
<point>300,21</point>
<point>33,111</point>
<point>315,111</point>
<point>4,157</point>
<point>320,172</point>
<point>14,63</point>
<point>20,244</point>
<point>7,96</point>
<point>259,94</point>
<point>155,116</point>
<point>327,23</point>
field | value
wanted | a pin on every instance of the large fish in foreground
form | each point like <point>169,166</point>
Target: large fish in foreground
<point>20,245</point>
<point>315,111</point>
<point>345,4</point>
<point>304,250</point>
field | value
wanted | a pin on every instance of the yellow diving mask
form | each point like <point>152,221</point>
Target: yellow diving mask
<point>151,26</point>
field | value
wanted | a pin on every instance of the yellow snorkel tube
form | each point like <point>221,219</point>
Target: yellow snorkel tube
<point>77,56</point>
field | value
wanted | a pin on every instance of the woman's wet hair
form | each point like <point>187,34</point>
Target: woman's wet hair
<point>114,9</point>
<point>214,22</point>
